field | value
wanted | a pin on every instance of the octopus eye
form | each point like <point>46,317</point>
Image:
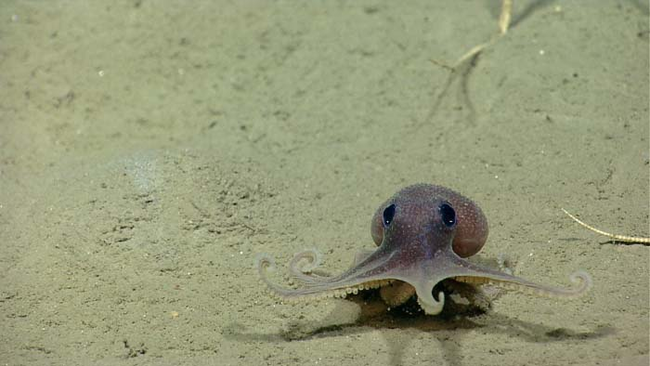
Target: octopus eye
<point>389,213</point>
<point>448,215</point>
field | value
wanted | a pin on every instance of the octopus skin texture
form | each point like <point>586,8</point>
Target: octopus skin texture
<point>424,235</point>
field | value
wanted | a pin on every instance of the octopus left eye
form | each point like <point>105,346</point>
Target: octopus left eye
<point>448,215</point>
<point>389,213</point>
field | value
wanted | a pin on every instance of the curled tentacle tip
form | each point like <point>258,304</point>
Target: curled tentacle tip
<point>431,306</point>
<point>307,260</point>
<point>264,261</point>
<point>583,280</point>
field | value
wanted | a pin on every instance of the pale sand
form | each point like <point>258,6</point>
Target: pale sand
<point>150,149</point>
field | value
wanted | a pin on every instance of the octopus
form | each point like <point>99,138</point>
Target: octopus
<point>425,235</point>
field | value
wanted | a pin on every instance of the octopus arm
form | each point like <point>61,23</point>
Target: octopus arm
<point>314,286</point>
<point>470,273</point>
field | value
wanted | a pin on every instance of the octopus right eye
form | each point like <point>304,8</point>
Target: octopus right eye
<point>389,213</point>
<point>448,215</point>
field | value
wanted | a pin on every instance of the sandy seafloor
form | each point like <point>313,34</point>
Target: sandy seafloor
<point>149,150</point>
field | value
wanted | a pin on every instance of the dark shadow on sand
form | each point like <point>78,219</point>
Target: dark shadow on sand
<point>448,329</point>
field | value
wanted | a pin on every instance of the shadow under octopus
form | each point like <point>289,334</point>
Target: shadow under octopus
<point>424,234</point>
